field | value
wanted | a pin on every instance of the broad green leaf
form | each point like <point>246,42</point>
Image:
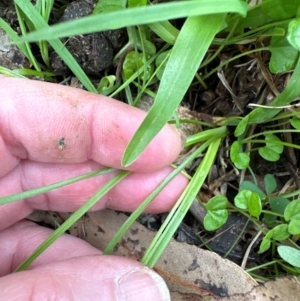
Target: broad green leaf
<point>134,61</point>
<point>135,3</point>
<point>272,150</point>
<point>280,232</point>
<point>290,255</point>
<point>269,218</point>
<point>241,128</point>
<point>294,226</point>
<point>241,160</point>
<point>264,245</point>
<point>138,16</point>
<point>270,183</point>
<point>255,17</point>
<point>266,242</point>
<point>182,65</point>
<point>289,94</point>
<point>241,199</point>
<point>217,213</point>
<point>294,33</point>
<point>292,214</point>
<point>283,56</point>
<point>217,202</point>
<point>278,204</point>
<point>215,219</point>
<point>105,6</point>
<point>251,186</point>
<point>295,122</point>
<point>254,204</point>
<point>280,9</point>
<point>292,210</point>
<point>268,154</point>
<point>276,147</point>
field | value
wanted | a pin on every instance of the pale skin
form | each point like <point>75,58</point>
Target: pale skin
<point>34,118</point>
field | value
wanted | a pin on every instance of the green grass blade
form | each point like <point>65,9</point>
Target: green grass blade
<point>191,46</point>
<point>44,189</point>
<point>23,29</point>
<point>218,132</point>
<point>13,35</point>
<point>30,11</point>
<point>178,212</point>
<point>136,16</point>
<point>13,73</point>
<point>72,219</point>
<point>165,30</point>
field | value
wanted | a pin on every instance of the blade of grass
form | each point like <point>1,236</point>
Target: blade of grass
<point>136,16</point>
<point>72,219</point>
<point>31,56</point>
<point>14,73</point>
<point>218,132</point>
<point>44,7</point>
<point>165,30</point>
<point>13,35</point>
<point>30,11</point>
<point>190,47</point>
<point>178,212</point>
<point>44,189</point>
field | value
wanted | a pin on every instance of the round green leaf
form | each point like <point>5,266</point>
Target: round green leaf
<point>281,232</point>
<point>241,128</point>
<point>135,3</point>
<point>134,61</point>
<point>269,218</point>
<point>294,226</point>
<point>292,210</point>
<point>270,183</point>
<point>283,55</point>
<point>278,204</point>
<point>254,204</point>
<point>240,160</point>
<point>251,186</point>
<point>276,147</point>
<point>241,199</point>
<point>106,6</point>
<point>290,255</point>
<point>216,203</point>
<point>280,9</point>
<point>266,242</point>
<point>268,154</point>
<point>215,219</point>
<point>293,35</point>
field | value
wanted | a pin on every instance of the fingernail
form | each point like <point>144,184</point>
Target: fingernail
<point>143,284</point>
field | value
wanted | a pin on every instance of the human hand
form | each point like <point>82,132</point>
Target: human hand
<point>34,117</point>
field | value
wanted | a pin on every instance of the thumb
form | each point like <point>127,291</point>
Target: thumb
<point>97,277</point>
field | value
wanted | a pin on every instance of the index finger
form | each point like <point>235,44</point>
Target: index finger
<point>52,123</point>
